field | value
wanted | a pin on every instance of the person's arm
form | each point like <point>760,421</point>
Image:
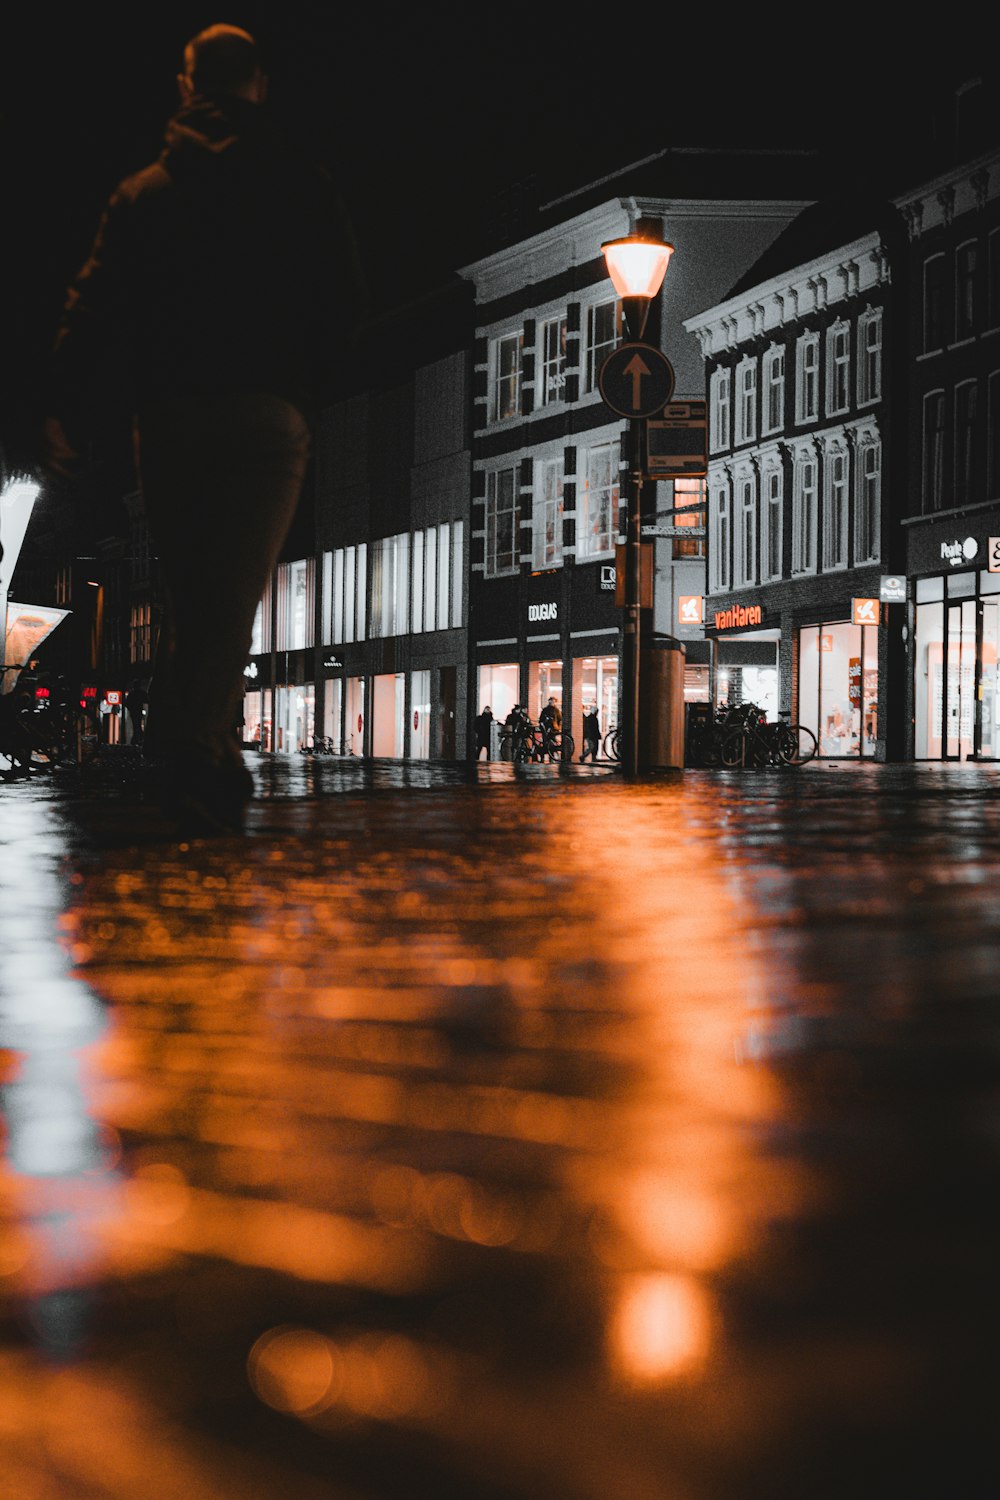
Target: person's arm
<point>89,356</point>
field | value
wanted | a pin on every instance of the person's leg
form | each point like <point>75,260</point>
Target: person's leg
<point>221,479</point>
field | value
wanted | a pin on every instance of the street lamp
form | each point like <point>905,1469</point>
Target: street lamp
<point>636,264</point>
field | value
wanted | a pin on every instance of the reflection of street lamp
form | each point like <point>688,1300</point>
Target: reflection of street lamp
<point>636,265</point>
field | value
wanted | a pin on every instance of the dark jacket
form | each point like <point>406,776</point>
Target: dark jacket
<point>229,264</point>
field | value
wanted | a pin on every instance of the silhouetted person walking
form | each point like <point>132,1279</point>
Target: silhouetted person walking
<point>224,282</point>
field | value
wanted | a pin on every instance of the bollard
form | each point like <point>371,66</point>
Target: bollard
<point>661,704</point>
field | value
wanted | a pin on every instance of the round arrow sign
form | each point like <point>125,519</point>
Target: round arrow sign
<point>636,380</point>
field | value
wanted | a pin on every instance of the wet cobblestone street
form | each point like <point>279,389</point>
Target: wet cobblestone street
<point>464,1135</point>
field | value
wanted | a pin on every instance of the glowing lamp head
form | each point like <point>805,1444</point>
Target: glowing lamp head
<point>636,265</point>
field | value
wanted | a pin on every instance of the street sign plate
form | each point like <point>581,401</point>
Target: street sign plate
<point>636,380</point>
<point>677,442</point>
<point>662,530</point>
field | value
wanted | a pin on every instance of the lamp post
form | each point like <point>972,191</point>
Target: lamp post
<point>636,265</point>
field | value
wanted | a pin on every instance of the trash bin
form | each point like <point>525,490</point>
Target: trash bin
<point>661,703</point>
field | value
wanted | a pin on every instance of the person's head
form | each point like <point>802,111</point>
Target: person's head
<point>222,61</point>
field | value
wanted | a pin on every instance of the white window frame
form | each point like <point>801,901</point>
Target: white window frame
<point>932,494</point>
<point>547,514</point>
<point>744,526</point>
<point>774,390</point>
<point>720,391</point>
<point>836,506</point>
<point>495,564</point>
<point>838,368</point>
<point>937,261</point>
<point>772,497</point>
<point>964,440</point>
<point>601,498</point>
<point>966,288</point>
<point>870,356</point>
<point>505,383</point>
<point>599,349</point>
<point>746,401</point>
<point>807,378</point>
<point>805,508</point>
<point>867,496</point>
<point>719,532</point>
<point>550,380</point>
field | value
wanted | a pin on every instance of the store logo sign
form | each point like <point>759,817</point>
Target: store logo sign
<point>956,553</point>
<point>865,611</point>
<point>538,612</point>
<point>994,554</point>
<point>690,609</point>
<point>608,573</point>
<point>737,617</point>
<point>892,590</point>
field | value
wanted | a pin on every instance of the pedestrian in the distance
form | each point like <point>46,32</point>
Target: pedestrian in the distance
<point>591,734</point>
<point>135,706</point>
<point>223,285</point>
<point>484,723</point>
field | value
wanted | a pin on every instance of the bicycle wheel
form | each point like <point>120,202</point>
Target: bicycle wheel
<point>612,745</point>
<point>733,749</point>
<point>566,746</point>
<point>797,745</point>
<point>506,747</point>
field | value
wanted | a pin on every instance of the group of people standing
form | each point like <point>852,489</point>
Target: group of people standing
<point>549,722</point>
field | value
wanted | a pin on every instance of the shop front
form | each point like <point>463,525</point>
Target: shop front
<point>956,640</point>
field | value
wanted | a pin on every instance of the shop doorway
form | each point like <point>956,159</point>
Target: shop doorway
<point>956,685</point>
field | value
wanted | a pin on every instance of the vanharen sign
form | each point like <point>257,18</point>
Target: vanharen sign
<point>737,616</point>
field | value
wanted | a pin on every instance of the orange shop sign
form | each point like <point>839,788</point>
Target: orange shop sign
<point>690,609</point>
<point>865,611</point>
<point>738,617</point>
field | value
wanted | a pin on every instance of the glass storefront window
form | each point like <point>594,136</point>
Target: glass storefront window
<point>838,687</point>
<point>333,712</point>
<point>544,682</point>
<point>420,715</point>
<point>595,680</point>
<point>944,683</point>
<point>354,725</point>
<point>252,715</point>
<point>499,689</point>
<point>735,685</point>
<point>388,707</point>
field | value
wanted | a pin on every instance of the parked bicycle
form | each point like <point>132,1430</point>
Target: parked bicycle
<point>611,745</point>
<point>753,740</point>
<point>522,741</point>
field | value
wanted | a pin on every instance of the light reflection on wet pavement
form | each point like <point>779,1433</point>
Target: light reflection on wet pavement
<point>457,1135</point>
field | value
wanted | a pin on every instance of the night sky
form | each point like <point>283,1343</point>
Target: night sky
<point>422,115</point>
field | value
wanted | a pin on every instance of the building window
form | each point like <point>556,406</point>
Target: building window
<point>505,357</point>
<point>745,536</point>
<point>771,523</point>
<point>965,442</point>
<point>804,498</point>
<point>838,369</point>
<point>746,401</point>
<point>966,281</point>
<point>720,385</point>
<point>502,518</point>
<point>933,303</point>
<point>868,501</point>
<point>720,573</point>
<point>993,436</point>
<point>993,280</point>
<point>870,356</point>
<point>295,596</point>
<point>774,390</point>
<point>689,513</point>
<point>344,595</point>
<point>807,378</point>
<point>140,645</point>
<point>597,502</point>
<point>390,586</point>
<point>835,511</point>
<point>933,451</point>
<point>553,342</point>
<point>602,336</point>
<point>547,514</point>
